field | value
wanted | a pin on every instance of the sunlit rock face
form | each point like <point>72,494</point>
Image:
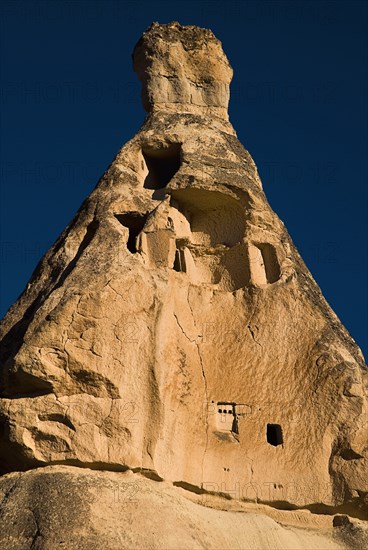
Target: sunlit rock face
<point>183,70</point>
<point>174,328</point>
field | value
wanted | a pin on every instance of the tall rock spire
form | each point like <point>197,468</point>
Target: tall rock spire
<point>173,328</point>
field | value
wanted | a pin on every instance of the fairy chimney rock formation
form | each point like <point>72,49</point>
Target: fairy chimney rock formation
<point>174,329</point>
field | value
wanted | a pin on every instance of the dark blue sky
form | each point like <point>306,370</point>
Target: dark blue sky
<point>70,100</point>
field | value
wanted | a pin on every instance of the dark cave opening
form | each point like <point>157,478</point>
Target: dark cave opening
<point>135,222</point>
<point>162,165</point>
<point>274,434</point>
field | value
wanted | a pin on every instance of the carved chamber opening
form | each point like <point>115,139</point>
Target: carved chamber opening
<point>161,165</point>
<point>210,246</point>
<point>135,222</point>
<point>274,434</point>
<point>215,239</point>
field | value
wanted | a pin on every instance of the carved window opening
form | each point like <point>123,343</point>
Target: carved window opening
<point>226,418</point>
<point>274,434</point>
<point>270,261</point>
<point>179,261</point>
<point>135,222</point>
<point>264,264</point>
<point>162,165</point>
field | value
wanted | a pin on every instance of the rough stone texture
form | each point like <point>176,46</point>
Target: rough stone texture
<point>174,328</point>
<point>66,507</point>
<point>183,69</point>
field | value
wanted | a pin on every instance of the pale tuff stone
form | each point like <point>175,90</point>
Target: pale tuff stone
<point>67,507</point>
<point>174,328</point>
<point>183,69</point>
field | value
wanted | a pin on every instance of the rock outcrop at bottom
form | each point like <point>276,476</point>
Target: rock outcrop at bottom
<point>68,507</point>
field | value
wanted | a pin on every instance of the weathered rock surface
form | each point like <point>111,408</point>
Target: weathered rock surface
<point>183,70</point>
<point>66,507</point>
<point>174,328</point>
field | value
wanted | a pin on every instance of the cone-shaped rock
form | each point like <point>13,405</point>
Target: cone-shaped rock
<point>174,328</point>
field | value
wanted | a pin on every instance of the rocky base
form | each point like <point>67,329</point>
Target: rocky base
<point>73,508</point>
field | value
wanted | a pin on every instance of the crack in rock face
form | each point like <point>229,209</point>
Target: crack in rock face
<point>174,329</point>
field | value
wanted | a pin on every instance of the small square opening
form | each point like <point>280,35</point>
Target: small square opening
<point>274,434</point>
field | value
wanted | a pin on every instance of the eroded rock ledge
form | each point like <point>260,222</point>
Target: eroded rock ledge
<point>66,507</point>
